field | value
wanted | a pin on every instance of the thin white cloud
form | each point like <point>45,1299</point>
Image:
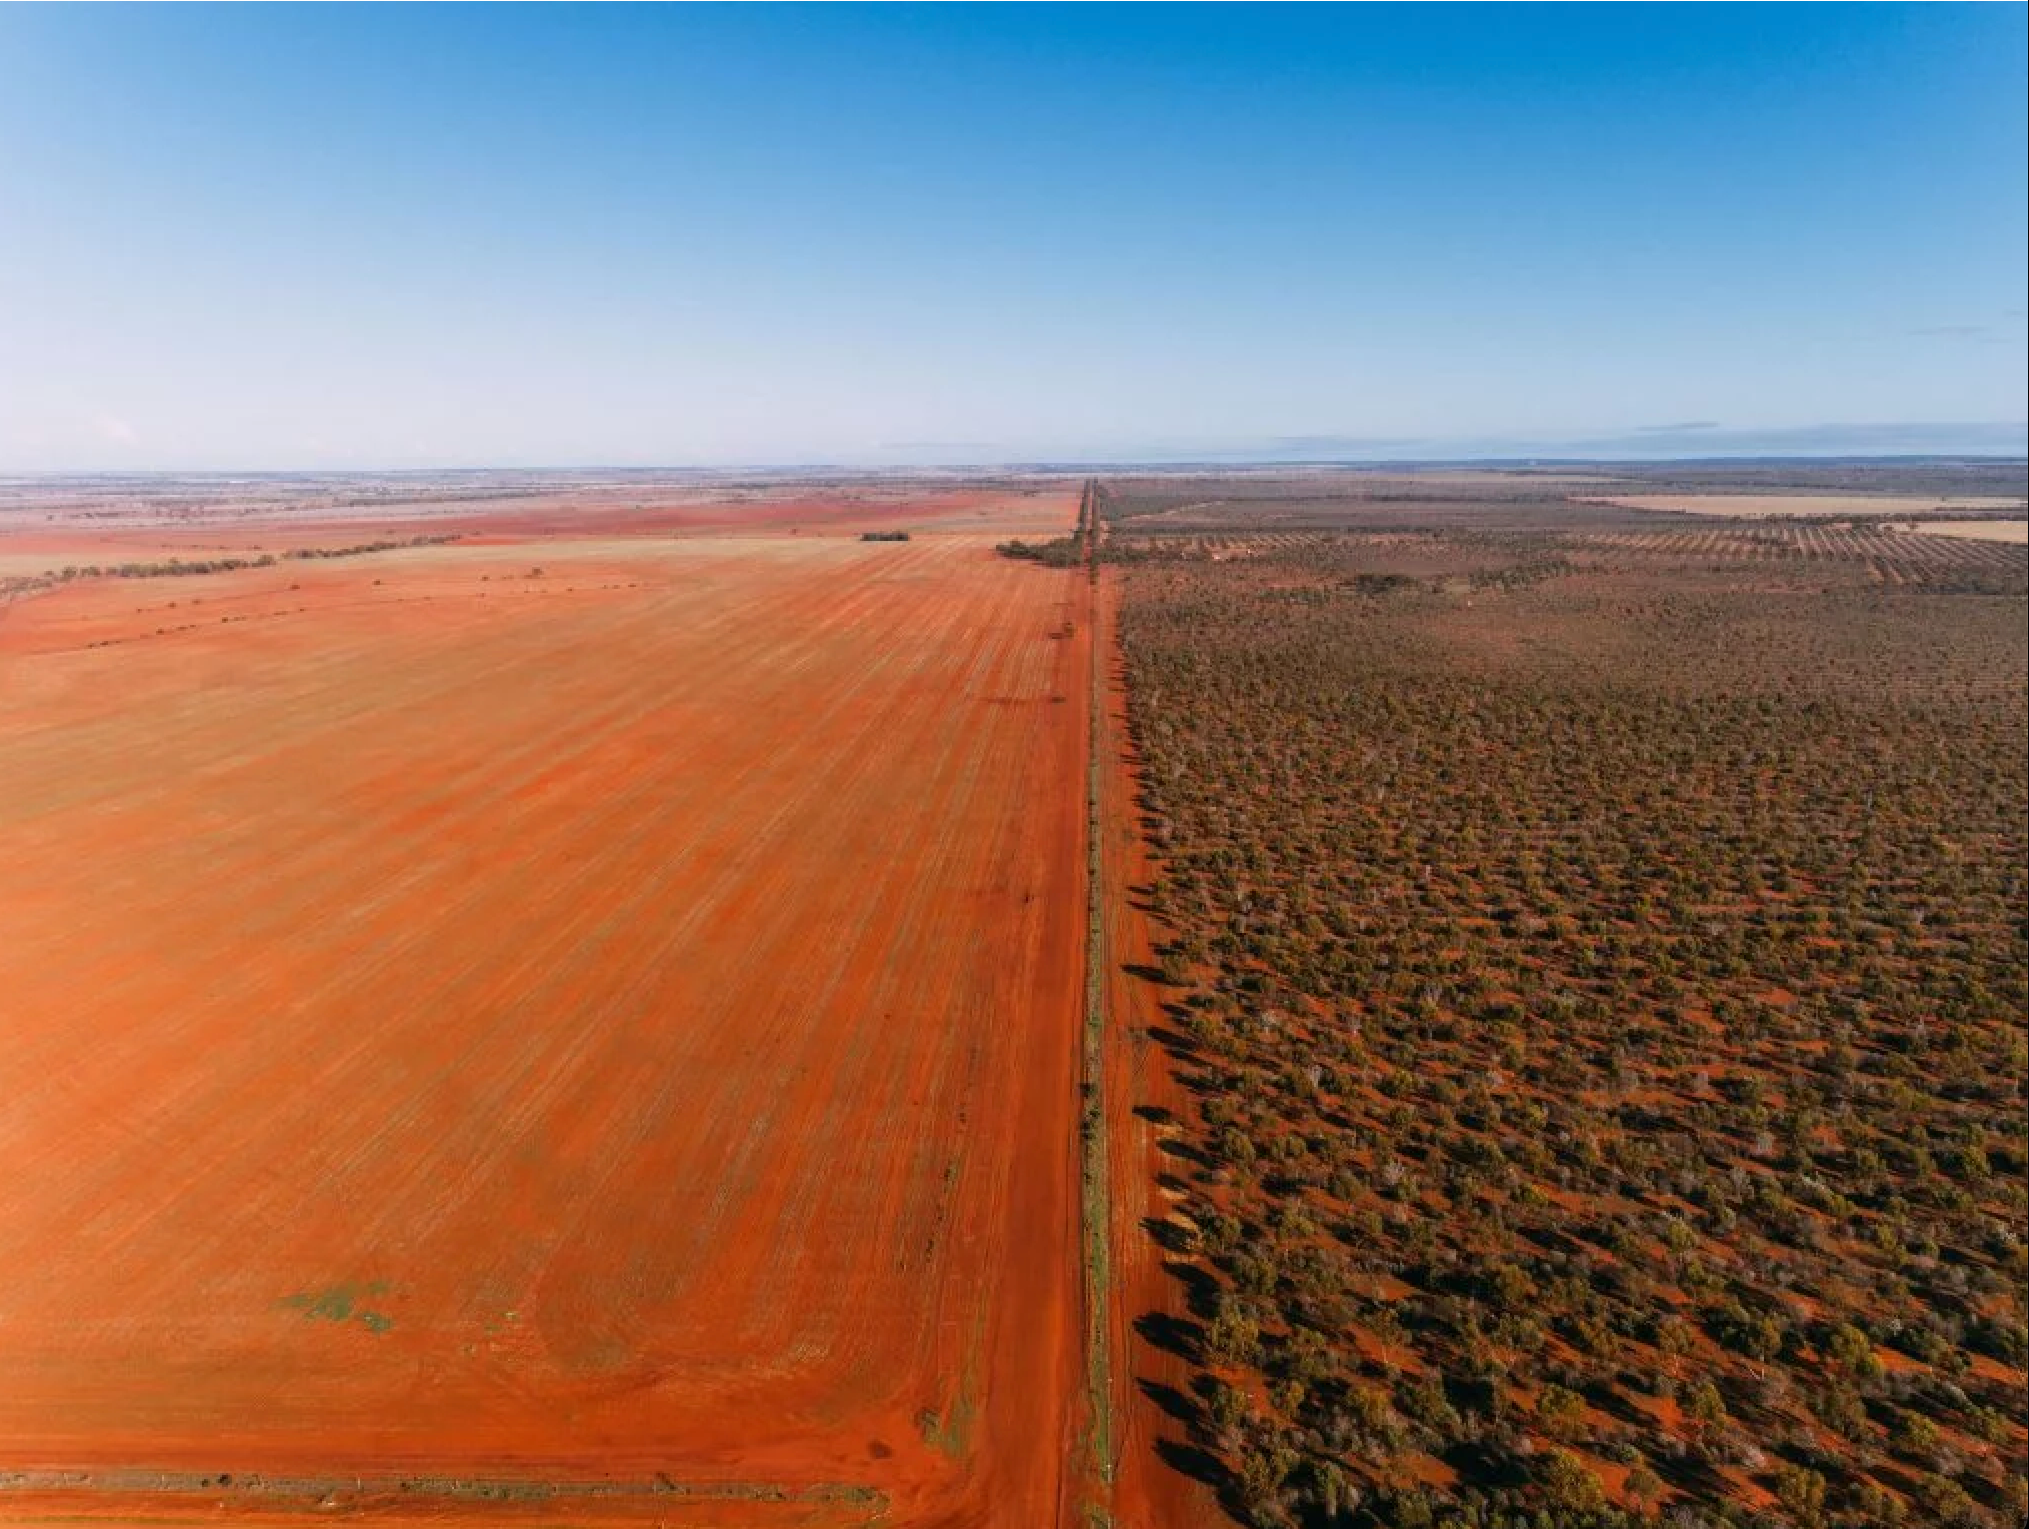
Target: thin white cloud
<point>114,430</point>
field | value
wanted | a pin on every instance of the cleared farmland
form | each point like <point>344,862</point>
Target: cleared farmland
<point>590,1017</point>
<point>1808,506</point>
<point>2015,531</point>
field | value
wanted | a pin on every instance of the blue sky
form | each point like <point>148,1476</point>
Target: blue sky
<point>308,237</point>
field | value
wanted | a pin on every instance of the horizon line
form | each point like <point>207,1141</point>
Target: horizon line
<point>1051,465</point>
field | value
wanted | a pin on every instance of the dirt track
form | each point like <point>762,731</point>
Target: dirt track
<point>613,1027</point>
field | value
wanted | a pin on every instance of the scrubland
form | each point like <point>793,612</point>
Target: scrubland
<point>1583,1060</point>
<point>1395,998</point>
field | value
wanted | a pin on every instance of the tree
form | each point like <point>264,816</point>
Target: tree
<point>1560,1413</point>
<point>1917,1436</point>
<point>1705,1408</point>
<point>1802,1491</point>
<point>1848,1348</point>
<point>1568,1487</point>
<point>1644,1487</point>
<point>1262,1471</point>
<point>1233,1337</point>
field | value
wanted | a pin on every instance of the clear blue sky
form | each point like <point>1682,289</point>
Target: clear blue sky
<point>396,236</point>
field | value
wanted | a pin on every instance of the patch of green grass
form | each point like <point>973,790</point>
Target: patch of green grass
<point>1097,1205</point>
<point>951,1431</point>
<point>343,1302</point>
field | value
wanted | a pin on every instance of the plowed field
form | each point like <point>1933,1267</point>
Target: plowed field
<point>556,1023</point>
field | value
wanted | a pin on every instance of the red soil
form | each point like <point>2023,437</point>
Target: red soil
<point>32,541</point>
<point>1142,1095</point>
<point>614,1029</point>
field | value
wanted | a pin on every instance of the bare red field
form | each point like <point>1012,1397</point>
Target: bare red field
<point>578,1025</point>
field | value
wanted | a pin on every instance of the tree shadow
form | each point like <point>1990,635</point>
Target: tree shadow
<point>1173,1402</point>
<point>1201,1291</point>
<point>1610,1399</point>
<point>1173,1335</point>
<point>1197,1463</point>
<point>1691,1474</point>
<point>1484,1467</point>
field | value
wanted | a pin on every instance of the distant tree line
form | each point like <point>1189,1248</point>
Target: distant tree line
<point>177,567</point>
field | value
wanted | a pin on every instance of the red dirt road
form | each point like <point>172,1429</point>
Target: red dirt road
<point>470,1031</point>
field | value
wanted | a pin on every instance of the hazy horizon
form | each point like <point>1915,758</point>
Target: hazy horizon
<point>359,240</point>
<point>1178,461</point>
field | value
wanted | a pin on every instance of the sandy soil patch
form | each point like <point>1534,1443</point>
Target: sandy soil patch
<point>1814,506</point>
<point>2014,531</point>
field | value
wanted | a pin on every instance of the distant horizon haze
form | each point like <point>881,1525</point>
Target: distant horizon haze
<point>1893,443</point>
<point>425,238</point>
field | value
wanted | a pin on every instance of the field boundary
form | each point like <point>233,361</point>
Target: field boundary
<point>286,1490</point>
<point>1095,1162</point>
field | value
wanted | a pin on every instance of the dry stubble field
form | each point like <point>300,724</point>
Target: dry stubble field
<point>501,1042</point>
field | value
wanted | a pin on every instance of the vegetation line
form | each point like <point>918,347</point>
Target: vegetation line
<point>1097,1204</point>
<point>462,1488</point>
<point>176,567</point>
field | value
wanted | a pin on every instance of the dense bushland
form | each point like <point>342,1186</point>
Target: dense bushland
<point>1602,988</point>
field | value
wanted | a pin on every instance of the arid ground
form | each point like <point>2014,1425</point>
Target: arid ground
<point>577,1021</point>
<point>1382,999</point>
<point>1812,506</point>
<point>2016,531</point>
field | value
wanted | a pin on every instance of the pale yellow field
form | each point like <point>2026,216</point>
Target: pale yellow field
<point>1815,506</point>
<point>2015,531</point>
